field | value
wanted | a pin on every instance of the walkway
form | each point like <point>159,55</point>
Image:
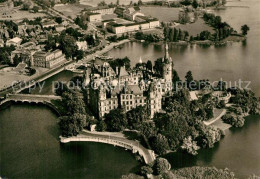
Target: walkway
<point>135,146</point>
<point>222,113</point>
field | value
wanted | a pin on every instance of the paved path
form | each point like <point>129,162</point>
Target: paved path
<point>216,118</point>
<point>135,146</point>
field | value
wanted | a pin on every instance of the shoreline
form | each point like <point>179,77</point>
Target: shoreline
<point>120,141</point>
<point>205,42</point>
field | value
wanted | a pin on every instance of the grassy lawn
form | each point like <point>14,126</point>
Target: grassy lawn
<point>195,28</point>
<point>70,9</point>
<point>162,13</point>
<point>19,15</point>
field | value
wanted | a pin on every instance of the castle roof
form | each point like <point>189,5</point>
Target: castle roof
<point>123,72</point>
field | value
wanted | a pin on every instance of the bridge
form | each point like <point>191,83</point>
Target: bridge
<point>135,146</point>
<point>30,98</point>
<point>44,99</point>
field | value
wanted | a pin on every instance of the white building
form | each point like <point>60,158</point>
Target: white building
<point>102,10</point>
<point>82,45</point>
<point>2,43</point>
<point>48,59</point>
<point>93,17</point>
<point>15,42</point>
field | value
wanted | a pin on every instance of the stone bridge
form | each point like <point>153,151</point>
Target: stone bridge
<point>30,98</point>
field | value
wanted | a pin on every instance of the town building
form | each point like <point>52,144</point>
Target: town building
<point>49,23</point>
<point>82,45</point>
<point>48,59</point>
<point>2,43</point>
<point>131,13</point>
<point>108,89</point>
<point>118,28</point>
<point>14,41</point>
<point>93,16</point>
<point>25,52</point>
<point>104,10</point>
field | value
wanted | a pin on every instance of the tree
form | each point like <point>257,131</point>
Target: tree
<point>80,54</point>
<point>102,3</point>
<point>35,9</point>
<point>131,176</point>
<point>158,66</point>
<point>234,120</point>
<point>161,165</point>
<point>116,120</point>
<point>175,78</point>
<point>189,79</point>
<point>26,6</point>
<point>149,65</point>
<point>140,2</point>
<point>148,129</point>
<point>58,20</point>
<point>60,88</point>
<point>175,35</point>
<point>72,125</point>
<point>101,126</point>
<point>146,170</point>
<point>195,4</point>
<point>68,45</point>
<point>190,146</point>
<point>244,29</point>
<point>180,35</point>
<point>17,60</point>
<point>207,135</point>
<point>159,144</point>
<point>171,35</point>
<point>136,116</point>
<point>73,103</point>
<point>117,2</point>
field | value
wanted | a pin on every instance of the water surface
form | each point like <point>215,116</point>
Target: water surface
<point>30,149</point>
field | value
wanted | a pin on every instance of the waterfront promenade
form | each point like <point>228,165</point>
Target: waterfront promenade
<point>135,146</point>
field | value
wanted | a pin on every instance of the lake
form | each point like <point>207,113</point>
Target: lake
<point>238,151</point>
<point>231,62</point>
<point>30,148</point>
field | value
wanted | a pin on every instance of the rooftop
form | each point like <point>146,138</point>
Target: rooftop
<point>114,24</point>
<point>16,40</point>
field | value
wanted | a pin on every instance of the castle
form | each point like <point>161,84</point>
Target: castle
<point>108,89</point>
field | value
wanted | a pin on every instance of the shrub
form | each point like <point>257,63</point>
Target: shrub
<point>234,120</point>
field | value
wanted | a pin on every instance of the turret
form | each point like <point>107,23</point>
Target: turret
<point>167,68</point>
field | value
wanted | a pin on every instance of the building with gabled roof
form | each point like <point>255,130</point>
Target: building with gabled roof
<point>108,89</point>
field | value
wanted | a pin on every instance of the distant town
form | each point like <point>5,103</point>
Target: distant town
<point>108,98</point>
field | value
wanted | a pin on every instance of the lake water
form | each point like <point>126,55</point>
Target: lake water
<point>30,148</point>
<point>232,62</point>
<point>238,151</point>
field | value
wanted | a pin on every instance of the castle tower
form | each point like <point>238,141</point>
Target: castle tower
<point>86,77</point>
<point>167,68</point>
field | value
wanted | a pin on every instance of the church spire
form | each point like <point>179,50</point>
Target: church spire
<point>166,56</point>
